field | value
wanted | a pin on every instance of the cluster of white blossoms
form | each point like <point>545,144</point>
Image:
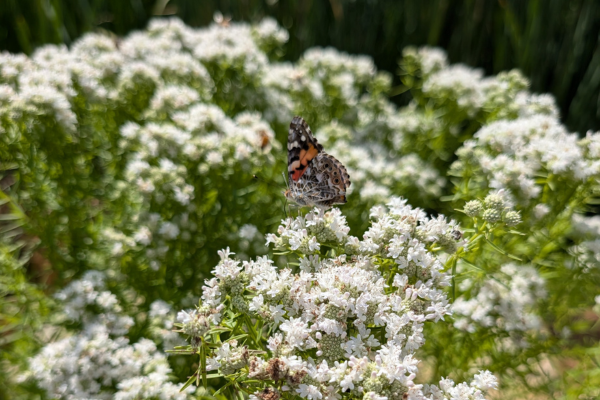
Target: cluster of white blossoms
<point>306,233</point>
<point>164,129</point>
<point>100,362</point>
<point>457,81</point>
<point>88,301</point>
<point>501,103</point>
<point>347,322</point>
<point>506,303</point>
<point>377,176</point>
<point>586,231</point>
<point>167,168</point>
<point>521,149</point>
<point>408,231</point>
<point>95,365</point>
<point>522,140</point>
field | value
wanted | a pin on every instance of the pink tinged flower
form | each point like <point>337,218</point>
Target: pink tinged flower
<point>256,303</point>
<point>347,383</point>
<point>184,317</point>
<point>310,392</point>
<point>400,280</point>
<point>272,238</point>
<point>313,245</point>
<point>277,313</point>
<point>225,253</point>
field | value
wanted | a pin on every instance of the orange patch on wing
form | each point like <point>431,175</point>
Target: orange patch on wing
<point>298,173</point>
<point>306,156</point>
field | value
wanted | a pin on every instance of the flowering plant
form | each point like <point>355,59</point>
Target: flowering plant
<point>128,162</point>
<point>343,321</point>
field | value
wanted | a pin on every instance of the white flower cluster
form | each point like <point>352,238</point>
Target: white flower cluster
<point>586,232</point>
<point>521,140</point>
<point>88,301</point>
<point>521,149</point>
<point>94,365</point>
<point>405,230</point>
<point>170,157</point>
<point>305,234</point>
<point>249,241</point>
<point>459,80</point>
<point>100,362</point>
<point>376,176</point>
<point>268,34</point>
<point>465,96</point>
<point>426,59</point>
<point>38,86</point>
<point>468,90</point>
<point>161,328</point>
<point>448,390</point>
<point>343,325</point>
<point>506,303</point>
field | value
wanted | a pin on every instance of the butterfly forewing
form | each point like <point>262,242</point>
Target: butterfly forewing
<point>302,148</point>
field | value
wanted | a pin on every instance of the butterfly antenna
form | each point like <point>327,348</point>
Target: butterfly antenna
<point>287,185</point>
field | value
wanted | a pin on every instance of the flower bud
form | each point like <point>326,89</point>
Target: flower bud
<point>197,326</point>
<point>491,215</point>
<point>512,218</point>
<point>494,201</point>
<point>473,208</point>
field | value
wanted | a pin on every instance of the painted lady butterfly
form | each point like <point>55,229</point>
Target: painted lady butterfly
<point>316,178</point>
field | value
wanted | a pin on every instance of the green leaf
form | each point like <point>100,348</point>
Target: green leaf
<point>9,217</point>
<point>473,265</point>
<point>182,352</point>
<point>218,329</point>
<point>237,337</point>
<point>514,257</point>
<point>498,249</point>
<point>189,382</point>
<point>250,327</point>
<point>203,364</point>
<point>223,387</point>
<point>516,232</point>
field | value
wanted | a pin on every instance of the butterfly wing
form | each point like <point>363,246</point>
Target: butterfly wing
<point>325,182</point>
<point>315,177</point>
<point>302,148</point>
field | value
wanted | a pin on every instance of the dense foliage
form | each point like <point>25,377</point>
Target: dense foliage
<point>554,42</point>
<point>127,169</point>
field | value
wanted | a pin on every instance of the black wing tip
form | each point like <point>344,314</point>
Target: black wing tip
<point>298,120</point>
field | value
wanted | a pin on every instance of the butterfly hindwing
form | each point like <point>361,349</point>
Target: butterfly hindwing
<point>332,176</point>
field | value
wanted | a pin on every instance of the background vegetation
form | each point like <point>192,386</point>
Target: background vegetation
<point>127,162</point>
<point>554,42</point>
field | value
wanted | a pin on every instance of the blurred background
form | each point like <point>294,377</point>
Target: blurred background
<point>556,43</point>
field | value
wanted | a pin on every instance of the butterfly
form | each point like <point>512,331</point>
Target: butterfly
<point>315,177</point>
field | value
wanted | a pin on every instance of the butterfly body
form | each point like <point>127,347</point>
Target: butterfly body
<point>315,177</point>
